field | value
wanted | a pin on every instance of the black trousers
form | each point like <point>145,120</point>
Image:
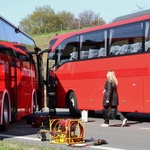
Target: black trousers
<point>106,114</point>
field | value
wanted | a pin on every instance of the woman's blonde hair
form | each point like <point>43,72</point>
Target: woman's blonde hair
<point>112,77</point>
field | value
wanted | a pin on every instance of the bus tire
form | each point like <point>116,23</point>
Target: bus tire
<point>35,109</point>
<point>73,109</point>
<point>5,125</point>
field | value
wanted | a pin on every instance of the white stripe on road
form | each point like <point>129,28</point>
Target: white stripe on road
<point>36,139</point>
<point>145,128</point>
<point>20,137</point>
<point>105,148</point>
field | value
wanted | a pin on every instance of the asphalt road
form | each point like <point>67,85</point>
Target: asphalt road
<point>135,136</point>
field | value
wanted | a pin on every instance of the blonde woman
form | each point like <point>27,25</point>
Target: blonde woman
<point>111,99</point>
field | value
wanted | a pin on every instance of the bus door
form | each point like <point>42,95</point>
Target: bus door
<point>14,91</point>
<point>24,86</point>
<point>51,84</point>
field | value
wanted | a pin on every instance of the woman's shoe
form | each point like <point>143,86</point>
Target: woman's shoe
<point>104,125</point>
<point>124,122</point>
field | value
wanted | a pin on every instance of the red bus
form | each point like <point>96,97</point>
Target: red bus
<point>82,59</point>
<point>21,84</point>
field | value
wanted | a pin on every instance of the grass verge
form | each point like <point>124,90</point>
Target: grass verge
<point>13,145</point>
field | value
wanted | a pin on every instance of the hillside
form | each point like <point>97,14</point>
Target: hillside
<point>42,40</point>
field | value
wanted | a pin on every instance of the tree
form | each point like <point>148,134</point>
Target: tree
<point>67,19</point>
<point>88,18</point>
<point>41,21</point>
<point>45,20</point>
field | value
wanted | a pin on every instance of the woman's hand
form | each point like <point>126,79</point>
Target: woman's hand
<point>104,91</point>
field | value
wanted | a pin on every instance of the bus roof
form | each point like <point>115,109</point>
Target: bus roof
<point>142,16</point>
<point>133,15</point>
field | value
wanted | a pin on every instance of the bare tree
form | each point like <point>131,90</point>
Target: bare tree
<point>88,18</point>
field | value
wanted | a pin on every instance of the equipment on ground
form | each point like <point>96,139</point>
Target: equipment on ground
<point>66,131</point>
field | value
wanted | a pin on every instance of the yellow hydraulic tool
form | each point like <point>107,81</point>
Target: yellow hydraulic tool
<point>67,131</point>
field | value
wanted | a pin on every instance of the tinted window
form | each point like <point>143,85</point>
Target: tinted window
<point>126,39</point>
<point>8,33</point>
<point>93,44</point>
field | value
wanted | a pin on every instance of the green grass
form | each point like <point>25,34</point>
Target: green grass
<point>42,40</point>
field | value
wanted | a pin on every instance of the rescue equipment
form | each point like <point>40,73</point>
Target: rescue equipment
<point>67,131</point>
<point>42,134</point>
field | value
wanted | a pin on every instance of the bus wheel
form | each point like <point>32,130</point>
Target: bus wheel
<point>35,108</point>
<point>74,112</point>
<point>5,124</point>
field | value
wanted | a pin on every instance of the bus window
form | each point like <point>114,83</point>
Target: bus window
<point>92,45</point>
<point>8,52</point>
<point>52,42</point>
<point>66,49</point>
<point>22,57</point>
<point>126,39</point>
<point>147,36</point>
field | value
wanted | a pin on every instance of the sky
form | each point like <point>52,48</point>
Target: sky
<point>16,10</point>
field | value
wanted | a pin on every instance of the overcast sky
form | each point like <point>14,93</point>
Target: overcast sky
<point>16,10</point>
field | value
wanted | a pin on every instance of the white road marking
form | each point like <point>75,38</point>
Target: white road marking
<point>20,137</point>
<point>145,128</point>
<point>36,139</point>
<point>105,148</point>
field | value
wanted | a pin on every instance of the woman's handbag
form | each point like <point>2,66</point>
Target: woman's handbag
<point>112,113</point>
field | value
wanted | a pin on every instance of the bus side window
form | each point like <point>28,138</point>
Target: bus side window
<point>102,52</point>
<point>73,56</point>
<point>68,50</point>
<point>147,36</point>
<point>84,54</point>
<point>115,50</point>
<point>22,57</point>
<point>93,53</point>
<point>126,39</point>
<point>147,46</point>
<point>136,47</point>
<point>65,57</point>
<point>125,49</point>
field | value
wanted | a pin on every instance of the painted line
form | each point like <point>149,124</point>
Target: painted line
<point>36,139</point>
<point>105,148</point>
<point>145,128</point>
<point>19,137</point>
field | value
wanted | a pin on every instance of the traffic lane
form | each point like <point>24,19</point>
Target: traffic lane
<point>134,136</point>
<point>129,137</point>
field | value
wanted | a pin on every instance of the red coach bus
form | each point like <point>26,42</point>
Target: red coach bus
<point>21,90</point>
<point>82,59</point>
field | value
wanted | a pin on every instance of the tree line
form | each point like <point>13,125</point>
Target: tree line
<point>45,20</point>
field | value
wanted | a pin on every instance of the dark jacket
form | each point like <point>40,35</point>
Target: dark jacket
<point>110,94</point>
